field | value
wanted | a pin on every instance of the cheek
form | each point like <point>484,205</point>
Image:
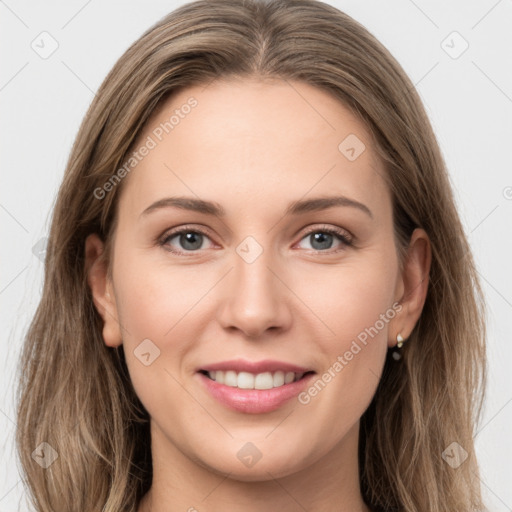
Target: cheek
<point>152,300</point>
<point>153,306</point>
<point>355,304</point>
<point>350,298</point>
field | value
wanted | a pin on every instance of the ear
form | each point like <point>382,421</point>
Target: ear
<point>412,285</point>
<point>102,290</point>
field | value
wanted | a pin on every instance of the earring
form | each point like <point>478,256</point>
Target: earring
<point>400,340</point>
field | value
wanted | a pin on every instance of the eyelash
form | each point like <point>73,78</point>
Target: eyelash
<point>338,233</point>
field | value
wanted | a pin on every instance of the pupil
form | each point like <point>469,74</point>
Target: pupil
<point>321,237</point>
<point>195,239</point>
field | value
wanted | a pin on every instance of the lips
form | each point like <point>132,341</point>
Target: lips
<point>241,365</point>
<point>254,387</point>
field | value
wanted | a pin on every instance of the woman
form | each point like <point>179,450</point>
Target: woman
<point>258,293</point>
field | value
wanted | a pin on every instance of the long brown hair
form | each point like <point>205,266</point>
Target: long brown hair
<point>75,392</point>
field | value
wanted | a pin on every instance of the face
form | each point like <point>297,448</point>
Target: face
<point>263,272</point>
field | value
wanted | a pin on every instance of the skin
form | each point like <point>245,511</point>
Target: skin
<point>255,146</point>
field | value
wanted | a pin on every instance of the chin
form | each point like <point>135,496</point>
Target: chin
<point>260,471</point>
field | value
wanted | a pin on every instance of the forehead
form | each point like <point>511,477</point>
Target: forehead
<point>272,141</point>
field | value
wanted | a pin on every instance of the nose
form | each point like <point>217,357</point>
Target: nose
<point>256,300</point>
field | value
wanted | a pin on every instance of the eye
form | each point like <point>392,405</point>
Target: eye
<point>188,240</point>
<point>321,238</point>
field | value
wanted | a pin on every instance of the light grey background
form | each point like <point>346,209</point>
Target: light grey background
<point>468,98</point>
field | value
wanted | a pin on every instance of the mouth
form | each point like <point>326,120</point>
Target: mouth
<point>253,393</point>
<point>259,381</point>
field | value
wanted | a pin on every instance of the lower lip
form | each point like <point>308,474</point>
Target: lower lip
<point>254,401</point>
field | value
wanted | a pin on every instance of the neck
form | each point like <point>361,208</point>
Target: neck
<point>331,483</point>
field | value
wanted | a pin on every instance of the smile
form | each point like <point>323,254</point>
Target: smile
<point>247,380</point>
<point>250,399</point>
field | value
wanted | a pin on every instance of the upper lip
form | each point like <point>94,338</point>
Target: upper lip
<point>267,365</point>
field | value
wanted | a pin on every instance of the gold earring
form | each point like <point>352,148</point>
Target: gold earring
<point>400,340</point>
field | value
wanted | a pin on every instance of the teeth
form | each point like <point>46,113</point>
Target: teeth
<point>246,380</point>
<point>230,379</point>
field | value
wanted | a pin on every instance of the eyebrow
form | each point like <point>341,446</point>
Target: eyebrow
<point>294,208</point>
